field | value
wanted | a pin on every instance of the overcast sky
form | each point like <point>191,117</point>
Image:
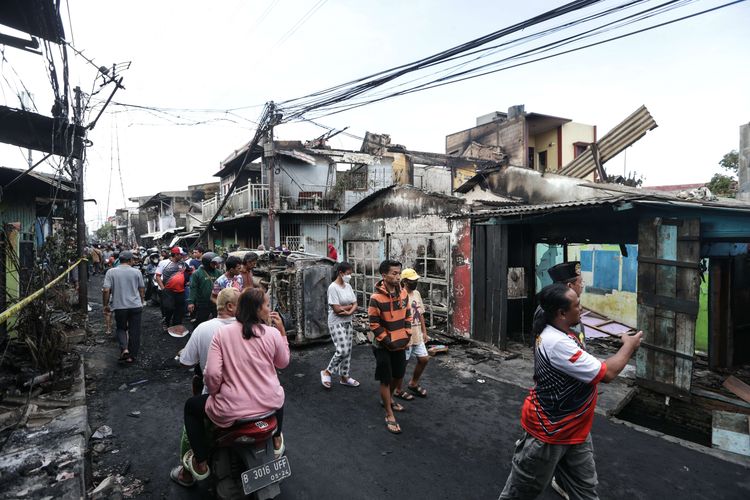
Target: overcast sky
<point>188,56</point>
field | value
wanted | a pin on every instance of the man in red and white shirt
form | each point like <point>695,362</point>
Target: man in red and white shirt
<point>171,281</point>
<point>558,413</point>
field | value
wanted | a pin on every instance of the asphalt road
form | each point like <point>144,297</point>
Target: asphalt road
<point>457,443</point>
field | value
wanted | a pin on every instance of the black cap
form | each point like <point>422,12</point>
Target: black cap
<point>565,271</point>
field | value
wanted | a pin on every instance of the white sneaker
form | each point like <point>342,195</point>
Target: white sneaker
<point>558,489</point>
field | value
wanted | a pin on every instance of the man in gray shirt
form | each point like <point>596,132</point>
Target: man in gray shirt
<point>125,285</point>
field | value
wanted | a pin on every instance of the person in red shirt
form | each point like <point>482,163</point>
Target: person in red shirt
<point>171,280</point>
<point>558,412</point>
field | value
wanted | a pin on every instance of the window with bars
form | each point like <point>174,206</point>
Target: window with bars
<point>428,255</point>
<point>365,259</point>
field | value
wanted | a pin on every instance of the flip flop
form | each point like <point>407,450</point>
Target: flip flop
<point>392,426</point>
<point>325,379</point>
<point>418,390</point>
<point>394,406</point>
<point>350,382</point>
<point>187,462</point>
<point>174,475</point>
<point>403,395</point>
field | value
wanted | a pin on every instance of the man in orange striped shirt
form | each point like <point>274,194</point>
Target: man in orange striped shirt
<point>390,329</point>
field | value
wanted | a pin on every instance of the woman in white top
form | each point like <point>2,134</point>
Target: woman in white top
<point>342,303</point>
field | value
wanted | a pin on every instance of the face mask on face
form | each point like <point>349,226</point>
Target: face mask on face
<point>410,286</point>
<point>346,277</point>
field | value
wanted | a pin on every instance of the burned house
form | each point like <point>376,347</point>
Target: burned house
<point>647,252</point>
<point>313,185</point>
<point>429,232</point>
<point>304,206</point>
<point>32,205</point>
<point>546,143</point>
<point>533,140</point>
<point>168,214</point>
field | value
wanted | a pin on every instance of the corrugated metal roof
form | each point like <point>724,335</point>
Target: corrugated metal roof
<point>653,199</point>
<point>550,207</point>
<point>615,141</point>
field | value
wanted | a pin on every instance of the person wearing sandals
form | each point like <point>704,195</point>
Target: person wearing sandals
<point>195,354</point>
<point>409,279</point>
<point>240,377</point>
<point>342,303</point>
<point>390,328</point>
<point>124,285</point>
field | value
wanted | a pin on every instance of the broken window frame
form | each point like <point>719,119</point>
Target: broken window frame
<point>365,271</point>
<point>429,285</point>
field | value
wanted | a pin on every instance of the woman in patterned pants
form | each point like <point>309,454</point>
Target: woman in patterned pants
<point>342,304</point>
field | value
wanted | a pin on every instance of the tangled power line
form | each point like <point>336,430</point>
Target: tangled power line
<point>576,28</point>
<point>362,91</point>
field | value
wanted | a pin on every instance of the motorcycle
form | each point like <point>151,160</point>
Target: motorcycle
<point>243,464</point>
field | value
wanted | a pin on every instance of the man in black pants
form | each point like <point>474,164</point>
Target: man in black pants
<point>171,281</point>
<point>125,286</point>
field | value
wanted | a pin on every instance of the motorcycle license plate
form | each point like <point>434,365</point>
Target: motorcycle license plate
<point>266,474</point>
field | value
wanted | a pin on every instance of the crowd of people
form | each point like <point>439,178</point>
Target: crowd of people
<point>238,343</point>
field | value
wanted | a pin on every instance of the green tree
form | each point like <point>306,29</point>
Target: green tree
<point>723,185</point>
<point>105,232</point>
<point>726,185</point>
<point>731,161</point>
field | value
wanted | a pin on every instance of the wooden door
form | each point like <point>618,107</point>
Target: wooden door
<point>668,289</point>
<point>490,283</point>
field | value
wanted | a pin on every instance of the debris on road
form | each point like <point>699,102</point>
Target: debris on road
<point>437,349</point>
<point>107,489</point>
<point>100,448</point>
<point>102,432</point>
<point>134,414</point>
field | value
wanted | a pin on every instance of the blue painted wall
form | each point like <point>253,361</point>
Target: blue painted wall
<point>606,270</point>
<point>630,269</point>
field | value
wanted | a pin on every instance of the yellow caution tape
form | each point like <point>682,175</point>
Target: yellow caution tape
<point>5,315</point>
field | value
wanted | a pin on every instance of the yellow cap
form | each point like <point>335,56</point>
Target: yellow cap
<point>409,274</point>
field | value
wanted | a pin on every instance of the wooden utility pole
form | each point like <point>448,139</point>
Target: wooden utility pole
<point>83,287</point>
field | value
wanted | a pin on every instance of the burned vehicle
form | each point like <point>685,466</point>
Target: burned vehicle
<point>298,287</point>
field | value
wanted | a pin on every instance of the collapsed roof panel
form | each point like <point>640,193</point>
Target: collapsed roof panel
<point>613,143</point>
<point>42,133</point>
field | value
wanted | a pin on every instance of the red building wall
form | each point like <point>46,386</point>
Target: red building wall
<point>461,277</point>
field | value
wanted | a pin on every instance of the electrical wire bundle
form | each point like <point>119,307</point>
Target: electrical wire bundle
<point>471,56</point>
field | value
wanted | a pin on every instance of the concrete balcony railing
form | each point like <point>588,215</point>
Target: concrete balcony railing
<point>255,198</point>
<point>247,199</point>
<point>307,201</point>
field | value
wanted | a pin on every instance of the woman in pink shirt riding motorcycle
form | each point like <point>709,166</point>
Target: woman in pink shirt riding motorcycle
<point>240,376</point>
